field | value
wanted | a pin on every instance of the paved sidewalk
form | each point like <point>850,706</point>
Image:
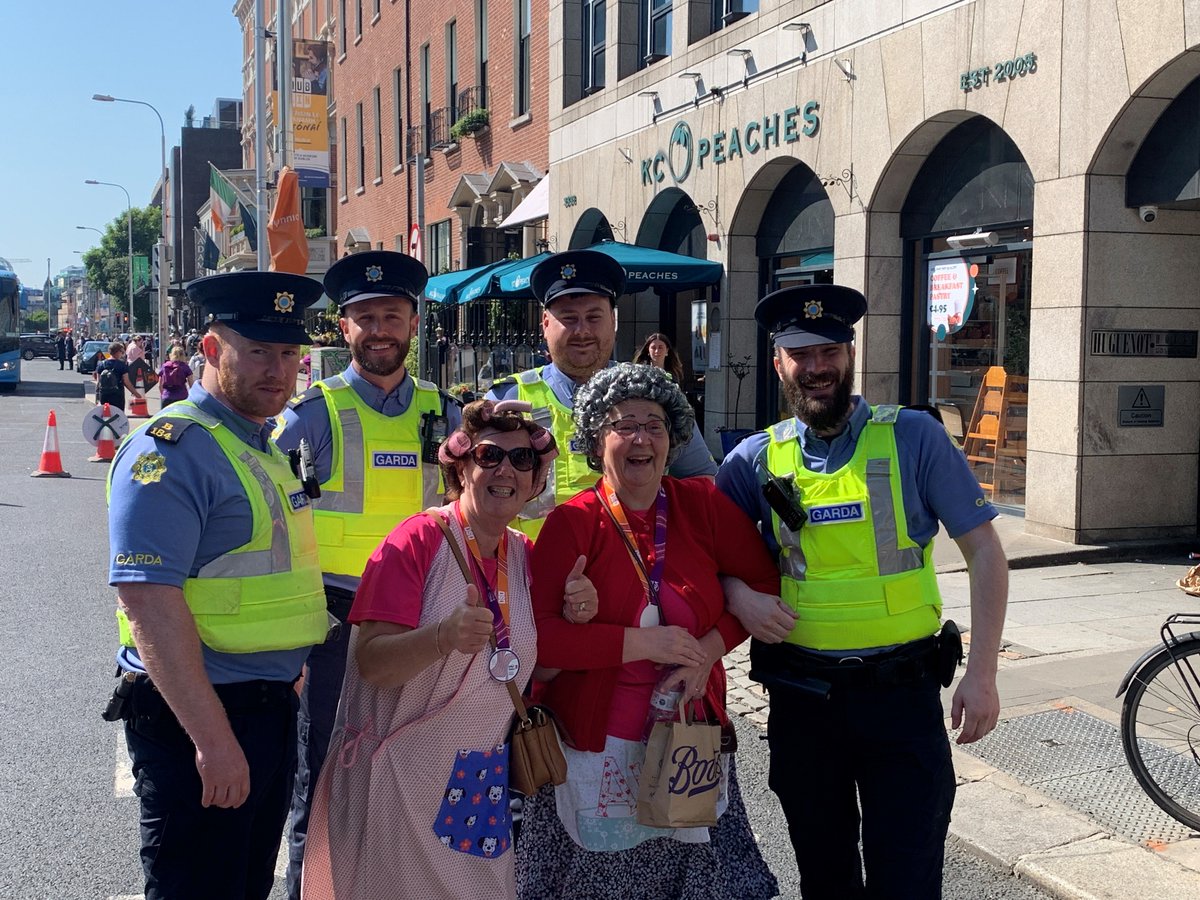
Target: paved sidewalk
<point>1048,795</point>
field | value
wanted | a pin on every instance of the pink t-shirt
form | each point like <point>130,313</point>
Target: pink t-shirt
<point>394,579</point>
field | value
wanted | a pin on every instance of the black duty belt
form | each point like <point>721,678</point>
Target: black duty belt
<point>786,665</point>
<point>242,694</point>
<point>338,601</point>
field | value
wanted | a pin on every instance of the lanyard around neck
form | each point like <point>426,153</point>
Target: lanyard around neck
<point>497,598</point>
<point>652,581</point>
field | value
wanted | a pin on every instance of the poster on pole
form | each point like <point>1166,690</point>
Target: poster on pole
<point>310,111</point>
<point>951,292</point>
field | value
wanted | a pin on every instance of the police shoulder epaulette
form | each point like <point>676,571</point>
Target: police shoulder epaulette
<point>502,383</point>
<point>313,391</point>
<point>449,399</point>
<point>169,429</point>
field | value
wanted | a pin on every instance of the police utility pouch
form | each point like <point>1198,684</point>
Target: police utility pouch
<point>949,652</point>
<point>118,703</point>
<point>434,430</point>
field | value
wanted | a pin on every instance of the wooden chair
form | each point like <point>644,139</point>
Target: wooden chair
<point>996,440</point>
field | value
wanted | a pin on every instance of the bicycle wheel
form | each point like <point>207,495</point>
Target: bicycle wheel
<point>1160,730</point>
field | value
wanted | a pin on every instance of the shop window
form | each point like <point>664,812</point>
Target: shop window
<point>976,315</point>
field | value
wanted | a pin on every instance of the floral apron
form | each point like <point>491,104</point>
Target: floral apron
<point>413,798</point>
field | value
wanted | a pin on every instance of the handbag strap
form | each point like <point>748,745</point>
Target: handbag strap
<point>518,703</point>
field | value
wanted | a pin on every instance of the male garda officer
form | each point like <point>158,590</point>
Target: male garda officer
<point>849,497</point>
<point>374,432</point>
<point>214,556</point>
<point>578,290</point>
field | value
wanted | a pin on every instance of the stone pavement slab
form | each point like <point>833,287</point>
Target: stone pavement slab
<point>1106,868</point>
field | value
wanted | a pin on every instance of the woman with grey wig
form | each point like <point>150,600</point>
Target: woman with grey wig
<point>650,546</point>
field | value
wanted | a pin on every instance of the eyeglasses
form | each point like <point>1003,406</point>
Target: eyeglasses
<point>488,456</point>
<point>628,428</point>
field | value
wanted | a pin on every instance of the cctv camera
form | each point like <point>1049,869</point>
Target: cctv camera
<point>1147,213</point>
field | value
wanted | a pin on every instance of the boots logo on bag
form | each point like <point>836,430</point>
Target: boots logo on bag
<point>693,775</point>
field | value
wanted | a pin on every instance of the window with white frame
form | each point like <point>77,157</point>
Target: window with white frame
<point>593,45</point>
<point>524,60</point>
<point>654,27</point>
<point>438,252</point>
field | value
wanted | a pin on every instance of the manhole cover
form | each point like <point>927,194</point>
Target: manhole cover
<point>1076,759</point>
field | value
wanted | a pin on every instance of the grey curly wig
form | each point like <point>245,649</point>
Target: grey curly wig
<point>630,381</point>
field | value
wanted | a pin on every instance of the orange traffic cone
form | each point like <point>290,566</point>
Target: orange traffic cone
<point>138,408</point>
<point>105,448</point>
<point>51,463</point>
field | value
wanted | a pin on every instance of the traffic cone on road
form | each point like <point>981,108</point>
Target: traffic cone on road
<point>105,448</point>
<point>138,408</point>
<point>51,463</point>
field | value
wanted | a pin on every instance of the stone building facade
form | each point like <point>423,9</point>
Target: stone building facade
<point>1014,185</point>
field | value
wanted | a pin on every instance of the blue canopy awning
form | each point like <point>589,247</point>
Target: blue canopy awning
<point>644,268</point>
<point>440,287</point>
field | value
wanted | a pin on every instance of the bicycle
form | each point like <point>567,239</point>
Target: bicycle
<point>1160,720</point>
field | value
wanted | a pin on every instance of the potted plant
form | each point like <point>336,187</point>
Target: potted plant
<point>731,435</point>
<point>469,123</point>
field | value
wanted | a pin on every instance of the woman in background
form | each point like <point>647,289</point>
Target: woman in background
<point>657,351</point>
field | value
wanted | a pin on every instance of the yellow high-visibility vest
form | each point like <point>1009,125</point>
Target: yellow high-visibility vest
<point>267,593</point>
<point>852,573</point>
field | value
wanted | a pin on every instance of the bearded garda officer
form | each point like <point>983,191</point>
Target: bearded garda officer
<point>849,497</point>
<point>374,431</point>
<point>214,556</point>
<point>578,290</point>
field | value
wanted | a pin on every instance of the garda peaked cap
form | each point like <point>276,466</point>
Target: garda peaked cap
<point>375,273</point>
<point>810,314</point>
<point>577,272</point>
<point>260,306</point>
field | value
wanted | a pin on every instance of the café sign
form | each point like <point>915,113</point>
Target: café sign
<point>684,151</point>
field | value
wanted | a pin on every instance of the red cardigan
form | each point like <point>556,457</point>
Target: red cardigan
<point>706,534</point>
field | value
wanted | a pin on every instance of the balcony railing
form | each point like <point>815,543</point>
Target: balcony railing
<point>413,142</point>
<point>439,128</point>
<point>471,99</point>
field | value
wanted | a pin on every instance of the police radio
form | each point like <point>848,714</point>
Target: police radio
<point>434,430</point>
<point>303,468</point>
<point>782,496</point>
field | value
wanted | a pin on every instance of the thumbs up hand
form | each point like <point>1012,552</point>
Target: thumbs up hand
<point>580,602</point>
<point>467,628</point>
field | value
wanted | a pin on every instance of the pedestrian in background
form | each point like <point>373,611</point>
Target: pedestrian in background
<point>174,378</point>
<point>417,803</point>
<point>60,348</point>
<point>112,378</point>
<point>70,348</point>
<point>374,431</point>
<point>653,546</point>
<point>658,351</point>
<point>221,602</point>
<point>135,358</point>
<point>578,290</point>
<point>849,497</point>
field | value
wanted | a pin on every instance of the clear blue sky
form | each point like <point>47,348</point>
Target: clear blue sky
<point>167,53</point>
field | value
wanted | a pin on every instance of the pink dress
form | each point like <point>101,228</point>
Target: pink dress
<point>413,798</point>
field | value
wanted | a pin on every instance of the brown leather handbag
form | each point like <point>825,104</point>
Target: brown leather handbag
<point>535,755</point>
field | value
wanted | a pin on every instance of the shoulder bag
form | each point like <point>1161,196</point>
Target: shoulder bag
<point>535,757</point>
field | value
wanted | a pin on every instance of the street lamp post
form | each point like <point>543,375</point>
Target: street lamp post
<point>129,222</point>
<point>164,266</point>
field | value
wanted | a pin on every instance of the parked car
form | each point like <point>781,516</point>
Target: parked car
<point>89,354</point>
<point>38,345</point>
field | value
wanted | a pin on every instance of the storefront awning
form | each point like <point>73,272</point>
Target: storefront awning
<point>533,208</point>
<point>644,268</point>
<point>441,287</point>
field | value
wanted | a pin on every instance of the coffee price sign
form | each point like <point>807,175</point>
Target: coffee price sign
<point>951,292</point>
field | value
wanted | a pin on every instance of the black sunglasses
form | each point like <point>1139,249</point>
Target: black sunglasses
<point>488,456</point>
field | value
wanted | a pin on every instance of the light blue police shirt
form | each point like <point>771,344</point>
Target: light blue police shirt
<point>310,419</point>
<point>164,531</point>
<point>694,458</point>
<point>936,481</point>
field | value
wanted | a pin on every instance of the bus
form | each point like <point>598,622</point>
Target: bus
<point>10,327</point>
